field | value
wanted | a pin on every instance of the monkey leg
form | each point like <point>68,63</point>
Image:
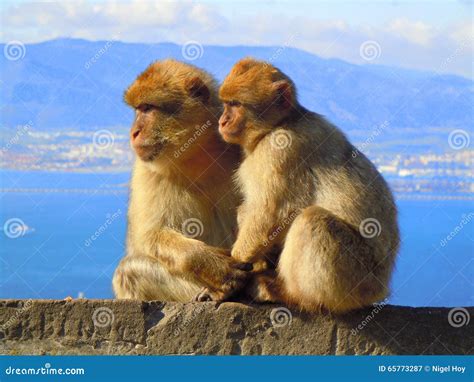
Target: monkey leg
<point>327,263</point>
<point>144,278</point>
<point>264,287</point>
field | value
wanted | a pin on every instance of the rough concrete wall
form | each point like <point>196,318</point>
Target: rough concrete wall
<point>133,327</point>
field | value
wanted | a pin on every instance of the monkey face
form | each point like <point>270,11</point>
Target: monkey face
<point>148,132</point>
<point>232,121</point>
<point>173,106</point>
<point>257,98</point>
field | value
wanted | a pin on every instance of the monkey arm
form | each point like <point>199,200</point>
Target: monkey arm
<point>266,213</point>
<point>260,229</point>
<point>193,259</point>
<point>176,251</point>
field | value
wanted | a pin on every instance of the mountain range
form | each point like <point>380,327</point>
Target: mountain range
<point>78,84</point>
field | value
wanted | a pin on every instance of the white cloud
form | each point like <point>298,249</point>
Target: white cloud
<point>403,41</point>
<point>463,33</point>
<point>416,32</point>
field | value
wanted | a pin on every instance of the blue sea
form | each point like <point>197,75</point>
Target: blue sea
<point>63,234</point>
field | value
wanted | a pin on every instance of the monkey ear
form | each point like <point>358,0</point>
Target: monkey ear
<point>197,88</point>
<point>283,94</point>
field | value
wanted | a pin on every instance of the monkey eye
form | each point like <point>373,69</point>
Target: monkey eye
<point>145,107</point>
<point>234,103</point>
<point>170,108</point>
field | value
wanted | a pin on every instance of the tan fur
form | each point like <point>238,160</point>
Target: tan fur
<point>165,81</point>
<point>169,186</point>
<point>307,196</point>
<point>255,86</point>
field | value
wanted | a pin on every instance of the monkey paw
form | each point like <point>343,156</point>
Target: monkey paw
<point>203,295</point>
<point>207,295</point>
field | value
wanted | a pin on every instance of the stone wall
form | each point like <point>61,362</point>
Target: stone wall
<point>133,327</point>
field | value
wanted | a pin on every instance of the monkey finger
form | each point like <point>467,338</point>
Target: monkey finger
<point>226,253</point>
<point>244,266</point>
<point>203,296</point>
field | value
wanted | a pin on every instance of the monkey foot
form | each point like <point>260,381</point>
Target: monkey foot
<point>203,295</point>
<point>207,294</point>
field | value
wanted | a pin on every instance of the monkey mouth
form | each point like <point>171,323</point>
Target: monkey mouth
<point>147,153</point>
<point>229,134</point>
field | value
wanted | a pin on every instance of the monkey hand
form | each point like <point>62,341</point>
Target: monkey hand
<point>244,256</point>
<point>260,266</point>
<point>225,277</point>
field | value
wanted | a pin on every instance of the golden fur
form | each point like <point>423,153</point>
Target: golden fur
<point>306,194</point>
<point>182,176</point>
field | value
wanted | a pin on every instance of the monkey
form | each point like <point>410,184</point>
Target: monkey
<point>182,207</point>
<point>309,194</point>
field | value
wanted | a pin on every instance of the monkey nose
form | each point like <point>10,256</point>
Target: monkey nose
<point>223,121</point>
<point>135,133</point>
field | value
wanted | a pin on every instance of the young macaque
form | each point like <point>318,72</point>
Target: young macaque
<point>181,217</point>
<point>308,193</point>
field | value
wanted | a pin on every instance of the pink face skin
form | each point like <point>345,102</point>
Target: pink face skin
<point>145,116</point>
<point>232,121</point>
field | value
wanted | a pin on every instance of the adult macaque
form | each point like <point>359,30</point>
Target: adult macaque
<point>181,215</point>
<point>305,193</point>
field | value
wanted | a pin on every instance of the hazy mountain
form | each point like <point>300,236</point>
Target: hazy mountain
<point>70,83</point>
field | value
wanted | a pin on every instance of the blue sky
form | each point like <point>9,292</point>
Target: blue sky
<point>429,35</point>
